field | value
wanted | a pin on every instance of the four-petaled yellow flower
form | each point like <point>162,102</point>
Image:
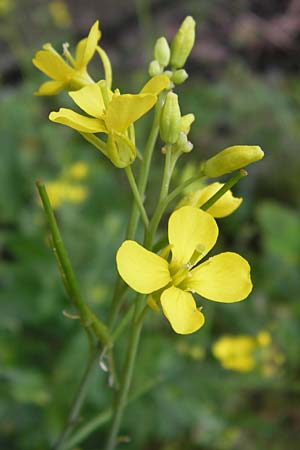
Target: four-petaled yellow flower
<point>64,75</point>
<point>112,114</point>
<point>192,233</point>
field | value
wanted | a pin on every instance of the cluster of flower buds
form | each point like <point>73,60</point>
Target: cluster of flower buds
<point>176,55</point>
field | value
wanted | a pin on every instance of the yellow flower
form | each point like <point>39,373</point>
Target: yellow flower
<point>226,205</point>
<point>235,352</point>
<point>112,114</point>
<point>67,76</point>
<point>192,233</point>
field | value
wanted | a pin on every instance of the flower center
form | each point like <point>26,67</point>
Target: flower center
<point>180,275</point>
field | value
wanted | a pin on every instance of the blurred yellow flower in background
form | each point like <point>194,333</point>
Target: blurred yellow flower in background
<point>60,13</point>
<point>66,189</point>
<point>60,192</point>
<point>6,6</point>
<point>244,353</point>
<point>78,170</point>
<point>235,352</point>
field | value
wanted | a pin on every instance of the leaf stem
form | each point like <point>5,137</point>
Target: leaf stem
<point>87,316</point>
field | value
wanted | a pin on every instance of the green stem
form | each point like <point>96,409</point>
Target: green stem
<point>228,185</point>
<point>102,418</point>
<point>126,378</point>
<point>143,175</point>
<point>137,322</point>
<point>78,400</point>
<point>88,318</point>
<point>141,184</point>
<point>168,170</point>
<point>136,195</point>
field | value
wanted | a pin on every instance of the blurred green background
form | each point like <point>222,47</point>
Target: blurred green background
<point>244,88</point>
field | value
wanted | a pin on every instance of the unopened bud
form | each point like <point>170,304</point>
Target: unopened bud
<point>183,144</point>
<point>183,43</point>
<point>230,159</point>
<point>170,119</point>
<point>162,51</point>
<point>186,122</point>
<point>154,68</point>
<point>179,76</point>
<point>120,150</point>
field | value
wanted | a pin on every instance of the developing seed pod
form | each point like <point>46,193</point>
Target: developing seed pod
<point>170,119</point>
<point>230,159</point>
<point>154,68</point>
<point>162,51</point>
<point>183,43</point>
<point>179,76</point>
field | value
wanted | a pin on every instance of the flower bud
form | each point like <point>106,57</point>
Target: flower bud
<point>179,76</point>
<point>154,68</point>
<point>183,43</point>
<point>230,159</point>
<point>170,119</point>
<point>162,51</point>
<point>183,144</point>
<point>186,122</point>
<point>120,150</point>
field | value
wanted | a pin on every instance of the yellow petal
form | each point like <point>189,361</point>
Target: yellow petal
<point>77,121</point>
<point>125,109</point>
<point>156,84</point>
<point>180,309</point>
<point>226,205</point>
<point>86,48</point>
<point>143,271</point>
<point>89,99</point>
<point>50,88</point>
<point>52,64</point>
<point>223,278</point>
<point>191,229</point>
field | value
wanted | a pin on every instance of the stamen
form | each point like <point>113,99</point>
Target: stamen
<point>67,54</point>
